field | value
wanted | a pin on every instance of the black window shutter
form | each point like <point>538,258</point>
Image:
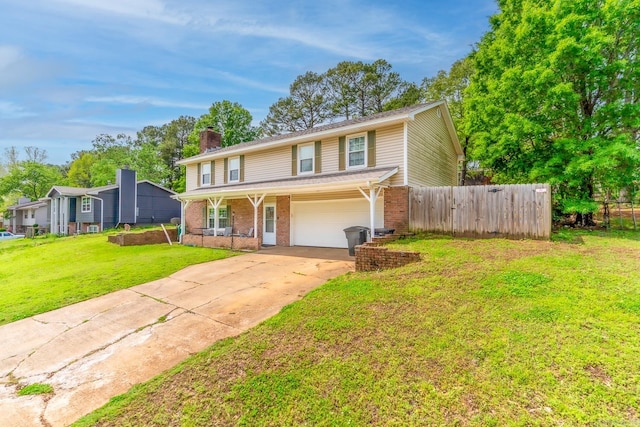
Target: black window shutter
<point>318,157</point>
<point>371,147</point>
<point>199,176</point>
<point>294,160</point>
<point>341,153</point>
<point>242,168</point>
<point>213,172</point>
<point>226,170</point>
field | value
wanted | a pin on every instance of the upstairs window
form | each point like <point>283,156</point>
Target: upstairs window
<point>306,158</point>
<point>85,204</point>
<point>356,151</point>
<point>205,173</point>
<point>234,169</point>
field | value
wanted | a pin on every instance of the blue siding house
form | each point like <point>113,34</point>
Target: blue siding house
<point>90,210</point>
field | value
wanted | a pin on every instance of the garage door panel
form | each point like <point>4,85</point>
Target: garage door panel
<point>322,223</point>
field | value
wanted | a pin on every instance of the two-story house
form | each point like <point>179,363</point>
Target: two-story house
<point>304,188</point>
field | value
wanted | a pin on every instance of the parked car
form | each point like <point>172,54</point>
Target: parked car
<point>7,235</point>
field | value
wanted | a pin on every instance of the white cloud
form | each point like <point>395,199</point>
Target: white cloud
<point>146,100</point>
<point>145,9</point>
<point>9,110</point>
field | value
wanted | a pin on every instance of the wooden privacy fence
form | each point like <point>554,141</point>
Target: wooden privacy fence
<point>512,211</point>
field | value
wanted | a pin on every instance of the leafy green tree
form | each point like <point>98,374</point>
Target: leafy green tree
<point>230,119</point>
<point>306,106</point>
<point>30,179</point>
<point>555,97</point>
<point>79,174</point>
<point>408,94</point>
<point>450,86</point>
<point>111,153</point>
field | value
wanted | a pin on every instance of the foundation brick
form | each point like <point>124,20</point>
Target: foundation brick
<point>373,256</point>
<point>396,209</point>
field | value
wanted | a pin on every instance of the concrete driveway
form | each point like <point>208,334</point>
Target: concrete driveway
<point>97,349</point>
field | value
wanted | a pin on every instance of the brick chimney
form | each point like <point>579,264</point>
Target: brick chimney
<point>209,139</point>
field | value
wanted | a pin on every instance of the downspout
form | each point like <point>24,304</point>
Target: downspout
<point>101,210</point>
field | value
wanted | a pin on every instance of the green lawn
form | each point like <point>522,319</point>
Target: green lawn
<point>479,333</point>
<point>46,273</point>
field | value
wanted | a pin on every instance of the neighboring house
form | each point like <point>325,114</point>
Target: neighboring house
<point>86,210</point>
<point>304,188</point>
<point>27,213</point>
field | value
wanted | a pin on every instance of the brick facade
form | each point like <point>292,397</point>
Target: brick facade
<point>373,256</point>
<point>283,221</point>
<point>396,209</point>
<point>194,216</point>
<point>234,242</point>
<point>241,216</point>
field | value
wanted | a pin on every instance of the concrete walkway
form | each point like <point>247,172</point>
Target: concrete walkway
<point>97,349</point>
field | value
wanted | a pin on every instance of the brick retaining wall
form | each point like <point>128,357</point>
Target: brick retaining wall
<point>372,256</point>
<point>235,242</point>
<point>151,237</point>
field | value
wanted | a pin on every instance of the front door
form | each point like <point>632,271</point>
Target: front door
<point>269,224</point>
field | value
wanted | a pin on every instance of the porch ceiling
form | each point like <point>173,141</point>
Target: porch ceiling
<point>297,185</point>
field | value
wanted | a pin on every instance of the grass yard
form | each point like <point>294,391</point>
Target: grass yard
<point>479,333</point>
<point>46,273</point>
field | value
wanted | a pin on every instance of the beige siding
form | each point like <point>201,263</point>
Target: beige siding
<point>267,165</point>
<point>389,152</point>
<point>330,155</point>
<point>192,177</point>
<point>432,160</point>
<point>336,195</point>
<point>275,163</point>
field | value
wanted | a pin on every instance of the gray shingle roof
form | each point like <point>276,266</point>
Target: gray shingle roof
<point>323,128</point>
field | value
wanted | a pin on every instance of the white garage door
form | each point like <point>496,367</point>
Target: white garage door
<point>322,223</point>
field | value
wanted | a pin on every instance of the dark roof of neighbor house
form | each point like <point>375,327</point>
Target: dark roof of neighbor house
<point>406,111</point>
<point>28,205</point>
<point>81,191</point>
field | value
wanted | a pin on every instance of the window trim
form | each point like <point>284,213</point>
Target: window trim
<point>83,207</point>
<point>211,220</point>
<point>231,160</point>
<point>202,173</point>
<point>312,147</point>
<point>365,149</point>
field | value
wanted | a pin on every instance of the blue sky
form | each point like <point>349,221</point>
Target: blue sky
<point>73,69</point>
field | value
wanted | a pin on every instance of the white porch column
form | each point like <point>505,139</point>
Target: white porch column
<point>255,201</point>
<point>215,204</point>
<point>65,216</point>
<point>183,223</point>
<point>372,197</point>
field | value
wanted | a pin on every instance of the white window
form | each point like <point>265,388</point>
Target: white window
<point>205,172</point>
<point>26,215</point>
<point>356,151</point>
<point>306,158</point>
<point>33,214</point>
<point>234,169</point>
<point>86,204</point>
<point>223,217</point>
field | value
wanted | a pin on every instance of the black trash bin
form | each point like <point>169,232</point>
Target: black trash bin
<point>356,235</point>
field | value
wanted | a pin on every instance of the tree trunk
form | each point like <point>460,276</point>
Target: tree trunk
<point>606,214</point>
<point>463,172</point>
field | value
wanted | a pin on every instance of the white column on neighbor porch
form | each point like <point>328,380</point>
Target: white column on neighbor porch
<point>215,204</point>
<point>255,201</point>
<point>65,216</point>
<point>372,197</point>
